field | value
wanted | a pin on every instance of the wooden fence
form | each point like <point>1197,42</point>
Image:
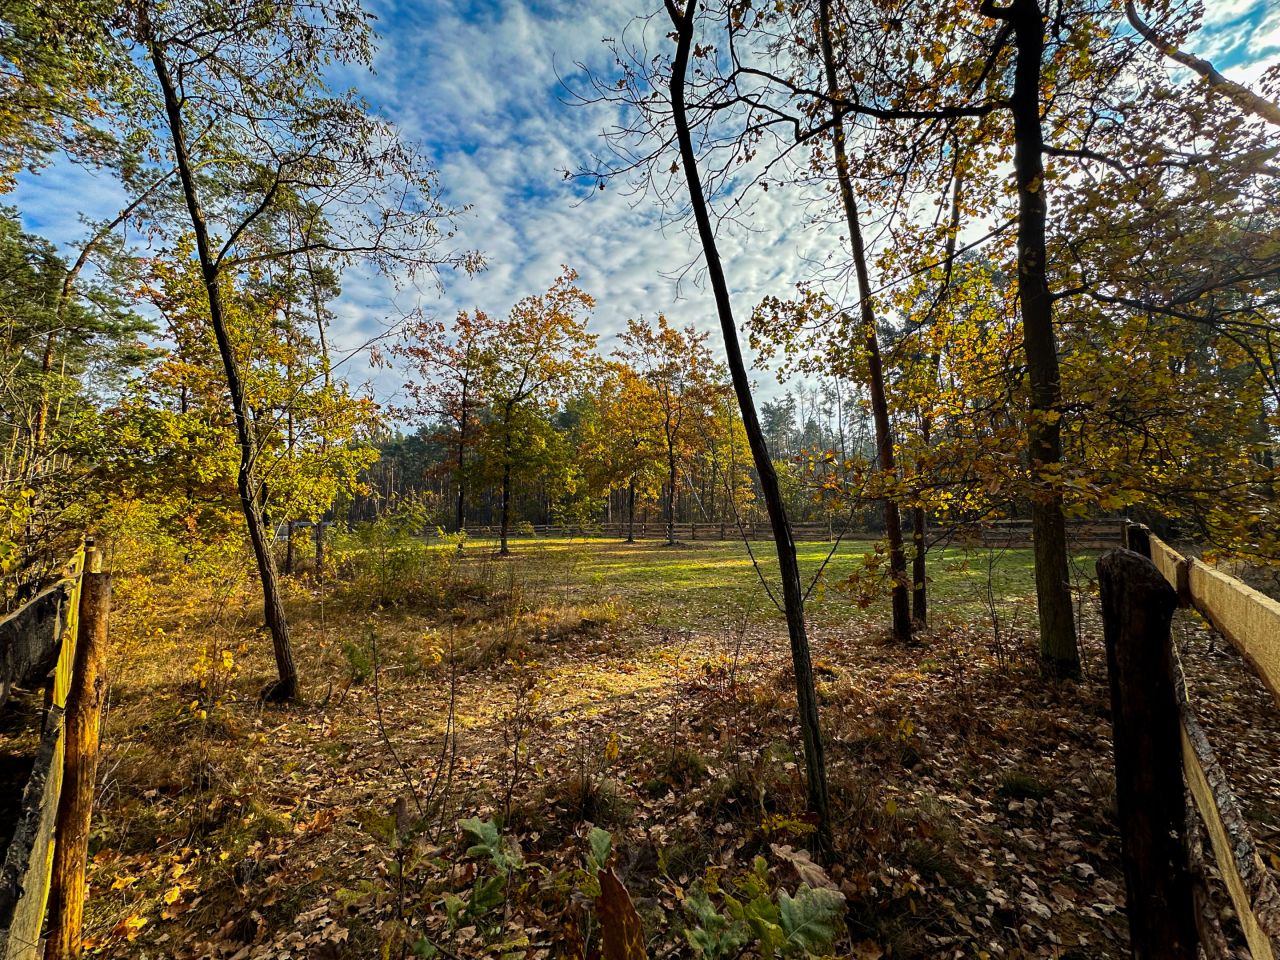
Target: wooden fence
<point>55,641</point>
<point>1092,534</point>
<point>1139,595</point>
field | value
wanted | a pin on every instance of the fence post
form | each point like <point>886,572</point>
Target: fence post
<point>75,806</point>
<point>1137,609</point>
<point>1137,537</point>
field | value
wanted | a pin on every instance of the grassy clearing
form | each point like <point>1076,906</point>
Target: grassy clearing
<point>713,582</point>
<point>640,688</point>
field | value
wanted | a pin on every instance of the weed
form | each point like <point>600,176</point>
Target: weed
<point>359,665</point>
<point>1020,784</point>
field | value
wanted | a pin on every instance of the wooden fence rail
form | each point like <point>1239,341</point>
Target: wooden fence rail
<point>46,643</point>
<point>1250,621</point>
<point>1091,534</point>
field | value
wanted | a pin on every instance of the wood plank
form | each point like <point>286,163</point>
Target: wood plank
<point>1173,565</point>
<point>1246,617</point>
<point>28,863</point>
<point>1252,890</point>
<point>29,639</point>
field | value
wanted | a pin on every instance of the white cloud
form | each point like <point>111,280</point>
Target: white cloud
<point>477,85</point>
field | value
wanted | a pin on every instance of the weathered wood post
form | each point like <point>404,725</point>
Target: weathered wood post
<point>75,806</point>
<point>1137,609</point>
<point>1137,537</point>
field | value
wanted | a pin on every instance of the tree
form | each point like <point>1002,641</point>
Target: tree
<point>242,83</point>
<point>1058,651</point>
<point>101,342</point>
<point>172,437</point>
<point>61,70</point>
<point>870,337</point>
<point>677,367</point>
<point>450,366</point>
<point>622,443</point>
<point>683,22</point>
<point>527,362</point>
<point>1240,95</point>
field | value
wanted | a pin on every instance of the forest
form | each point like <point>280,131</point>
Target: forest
<point>719,479</point>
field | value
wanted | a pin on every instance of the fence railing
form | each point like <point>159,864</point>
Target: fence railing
<point>1004,533</point>
<point>1160,745</point>
<point>55,641</point>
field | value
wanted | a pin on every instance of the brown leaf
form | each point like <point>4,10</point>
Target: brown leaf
<point>619,922</point>
<point>572,946</point>
<point>808,871</point>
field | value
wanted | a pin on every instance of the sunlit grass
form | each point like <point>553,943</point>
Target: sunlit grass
<point>708,584</point>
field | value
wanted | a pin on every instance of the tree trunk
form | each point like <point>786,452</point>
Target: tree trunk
<point>871,339</point>
<point>671,498</point>
<point>460,510</point>
<point>289,553</point>
<point>1058,653</point>
<point>286,686</point>
<point>324,440</point>
<point>631,511</point>
<point>789,568</point>
<point>504,550</point>
<point>320,547</point>
<point>919,568</point>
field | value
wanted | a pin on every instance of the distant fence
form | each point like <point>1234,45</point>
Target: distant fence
<point>1159,741</point>
<point>1091,534</point>
<point>54,641</point>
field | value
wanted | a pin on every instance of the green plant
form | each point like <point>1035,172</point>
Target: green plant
<point>387,562</point>
<point>754,912</point>
<point>359,665</point>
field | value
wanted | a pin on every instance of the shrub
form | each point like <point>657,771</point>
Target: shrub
<point>389,562</point>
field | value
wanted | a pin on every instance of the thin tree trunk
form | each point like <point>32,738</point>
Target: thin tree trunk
<point>875,378</point>
<point>671,498</point>
<point>919,571</point>
<point>919,519</point>
<point>789,568</point>
<point>324,359</point>
<point>286,686</point>
<point>289,554</point>
<point>631,510</point>
<point>460,509</point>
<point>504,550</point>
<point>1058,653</point>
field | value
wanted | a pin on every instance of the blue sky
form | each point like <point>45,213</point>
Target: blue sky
<point>477,84</point>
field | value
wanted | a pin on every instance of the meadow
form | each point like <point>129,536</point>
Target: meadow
<point>582,686</point>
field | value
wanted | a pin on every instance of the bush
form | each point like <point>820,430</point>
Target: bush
<point>389,562</point>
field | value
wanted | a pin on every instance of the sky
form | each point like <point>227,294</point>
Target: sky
<point>481,86</point>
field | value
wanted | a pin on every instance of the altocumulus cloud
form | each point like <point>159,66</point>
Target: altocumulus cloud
<point>481,86</point>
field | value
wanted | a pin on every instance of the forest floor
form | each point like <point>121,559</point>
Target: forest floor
<point>637,688</point>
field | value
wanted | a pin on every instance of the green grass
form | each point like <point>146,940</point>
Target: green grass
<point>710,584</point>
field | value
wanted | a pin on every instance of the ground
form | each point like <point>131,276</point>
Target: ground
<point>641,689</point>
